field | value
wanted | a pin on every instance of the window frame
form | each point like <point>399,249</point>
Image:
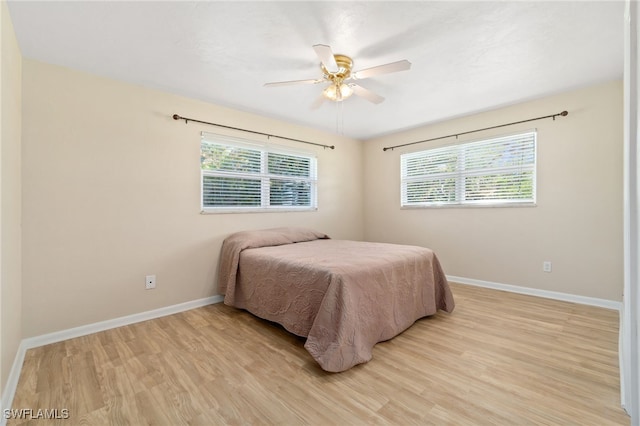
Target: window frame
<point>461,173</point>
<point>265,178</point>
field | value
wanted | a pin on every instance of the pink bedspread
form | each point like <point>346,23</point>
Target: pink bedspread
<point>343,296</point>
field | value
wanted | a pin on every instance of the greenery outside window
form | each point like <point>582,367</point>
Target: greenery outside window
<point>243,176</point>
<point>492,172</point>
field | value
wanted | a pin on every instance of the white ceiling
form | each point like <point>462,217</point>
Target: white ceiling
<point>466,56</point>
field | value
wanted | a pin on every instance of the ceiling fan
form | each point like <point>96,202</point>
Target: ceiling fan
<point>336,70</point>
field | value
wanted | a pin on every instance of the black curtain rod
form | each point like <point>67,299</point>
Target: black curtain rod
<point>563,113</point>
<point>186,120</point>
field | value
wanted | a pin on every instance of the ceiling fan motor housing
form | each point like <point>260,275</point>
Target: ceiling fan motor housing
<point>345,64</point>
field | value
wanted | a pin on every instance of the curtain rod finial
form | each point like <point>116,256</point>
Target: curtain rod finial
<point>176,117</point>
<point>564,113</point>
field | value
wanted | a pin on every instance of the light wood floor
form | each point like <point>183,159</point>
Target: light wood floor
<point>498,359</point>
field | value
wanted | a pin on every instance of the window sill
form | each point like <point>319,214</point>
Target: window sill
<point>235,210</point>
<point>470,206</point>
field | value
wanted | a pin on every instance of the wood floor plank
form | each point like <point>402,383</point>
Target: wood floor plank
<point>498,359</point>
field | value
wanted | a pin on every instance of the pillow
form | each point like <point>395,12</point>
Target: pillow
<point>274,237</point>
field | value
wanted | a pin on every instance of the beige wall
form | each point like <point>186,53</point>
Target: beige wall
<point>111,193</point>
<point>10,193</point>
<point>577,223</point>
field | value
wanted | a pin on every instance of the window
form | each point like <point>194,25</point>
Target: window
<point>493,172</point>
<point>239,175</point>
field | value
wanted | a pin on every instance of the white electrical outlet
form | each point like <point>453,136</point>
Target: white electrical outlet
<point>150,282</point>
<point>546,266</point>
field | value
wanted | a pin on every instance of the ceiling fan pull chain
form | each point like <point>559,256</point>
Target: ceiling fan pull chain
<point>342,113</point>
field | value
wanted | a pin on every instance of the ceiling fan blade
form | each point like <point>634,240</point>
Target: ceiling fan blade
<point>325,54</point>
<point>382,69</point>
<point>366,93</point>
<point>287,83</point>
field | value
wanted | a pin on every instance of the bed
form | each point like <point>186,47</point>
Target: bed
<point>343,296</point>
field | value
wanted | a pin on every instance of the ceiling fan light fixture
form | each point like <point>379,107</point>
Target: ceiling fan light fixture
<point>338,92</point>
<point>336,70</point>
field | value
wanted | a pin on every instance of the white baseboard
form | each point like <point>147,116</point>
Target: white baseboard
<point>566,297</point>
<point>58,336</point>
<point>12,381</point>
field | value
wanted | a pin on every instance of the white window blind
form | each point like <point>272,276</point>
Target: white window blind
<point>238,175</point>
<point>489,172</point>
